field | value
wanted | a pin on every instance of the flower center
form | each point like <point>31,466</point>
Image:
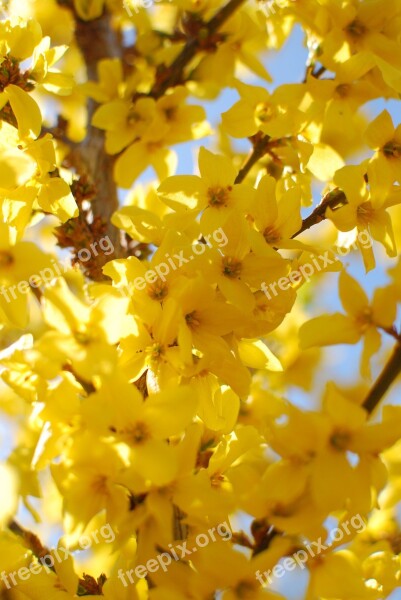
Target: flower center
<point>265,111</point>
<point>231,267</point>
<point>192,319</point>
<point>217,480</point>
<point>365,319</point>
<point>99,485</point>
<point>246,590</point>
<point>356,29</point>
<point>170,112</point>
<point>271,235</point>
<point>138,433</point>
<point>82,337</point>
<point>156,351</point>
<point>343,90</point>
<point>6,259</point>
<point>392,149</point>
<point>365,213</point>
<point>282,510</point>
<point>340,439</point>
<point>218,196</point>
<point>158,291</point>
<point>133,116</point>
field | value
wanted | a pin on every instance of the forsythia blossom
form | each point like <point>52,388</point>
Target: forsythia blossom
<point>187,374</point>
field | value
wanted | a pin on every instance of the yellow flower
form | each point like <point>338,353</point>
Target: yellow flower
<point>385,166</point>
<point>230,570</point>
<point>43,59</point>
<point>243,40</point>
<point>185,122</point>
<point>239,272</point>
<point>334,108</point>
<point>203,312</point>
<point>324,580</point>
<point>125,122</point>
<point>24,108</point>
<point>140,155</point>
<point>89,9</point>
<point>62,584</point>
<point>18,262</point>
<point>84,335</point>
<point>149,284</point>
<point>21,39</point>
<point>148,125</point>
<point>213,192</point>
<point>361,35</point>
<point>363,319</point>
<point>145,427</point>
<point>148,219</point>
<point>9,500</point>
<point>258,110</point>
<point>316,467</point>
<point>110,84</point>
<point>360,213</point>
<point>89,483</point>
<point>276,214</point>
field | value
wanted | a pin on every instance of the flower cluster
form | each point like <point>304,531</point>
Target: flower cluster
<point>160,389</point>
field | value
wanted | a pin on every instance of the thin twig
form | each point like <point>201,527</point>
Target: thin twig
<point>319,72</point>
<point>393,332</point>
<point>174,73</point>
<point>334,199</point>
<point>258,151</point>
<point>384,381</point>
<point>31,540</point>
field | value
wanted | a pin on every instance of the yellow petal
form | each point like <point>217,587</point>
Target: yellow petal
<point>217,170</point>
<point>156,461</point>
<point>284,481</point>
<point>380,179</point>
<point>26,111</point>
<point>256,354</point>
<point>343,412</point>
<point>353,297</point>
<point>9,497</point>
<point>330,479</point>
<point>384,306</point>
<point>132,162</point>
<point>326,582</point>
<point>182,190</point>
<point>89,9</point>
<point>219,410</point>
<point>55,197</point>
<point>16,168</point>
<point>371,346</point>
<point>170,411</point>
<point>328,330</point>
<point>324,162</point>
<point>376,438</point>
<point>380,131</point>
<point>237,293</point>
